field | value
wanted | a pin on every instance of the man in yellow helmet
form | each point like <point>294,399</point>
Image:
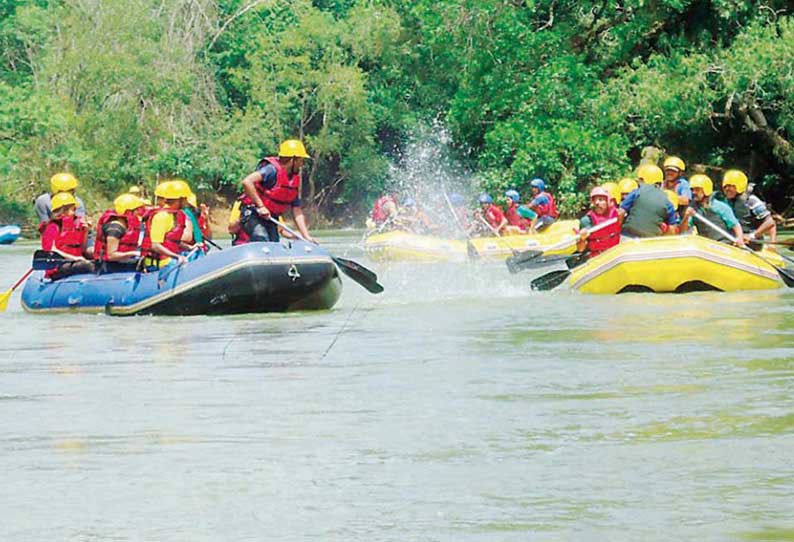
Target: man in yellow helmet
<point>713,210</point>
<point>647,208</point>
<point>273,189</point>
<point>674,180</point>
<point>60,182</point>
<point>750,211</point>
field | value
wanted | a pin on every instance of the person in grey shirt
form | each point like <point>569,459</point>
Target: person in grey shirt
<point>60,182</point>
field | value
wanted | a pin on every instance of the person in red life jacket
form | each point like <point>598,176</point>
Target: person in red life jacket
<point>490,216</point>
<point>413,218</point>
<point>239,236</point>
<point>543,204</point>
<point>516,224</point>
<point>119,234</point>
<point>66,235</point>
<point>601,211</point>
<point>165,227</point>
<point>273,189</point>
<point>384,212</point>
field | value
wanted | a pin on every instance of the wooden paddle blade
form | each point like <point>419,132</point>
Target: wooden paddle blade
<point>360,274</point>
<point>550,280</point>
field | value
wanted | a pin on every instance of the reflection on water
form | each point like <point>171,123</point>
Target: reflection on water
<point>458,405</point>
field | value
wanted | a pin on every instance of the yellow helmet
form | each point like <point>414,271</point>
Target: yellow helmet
<point>613,190</point>
<point>734,177</point>
<point>192,200</point>
<point>675,163</point>
<point>62,199</point>
<point>63,182</point>
<point>672,196</point>
<point>702,181</point>
<point>183,187</point>
<point>650,174</point>
<point>627,185</point>
<point>127,202</point>
<point>292,148</point>
<point>134,189</point>
<point>168,190</point>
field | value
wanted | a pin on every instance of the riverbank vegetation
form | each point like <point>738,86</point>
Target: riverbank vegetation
<point>128,91</point>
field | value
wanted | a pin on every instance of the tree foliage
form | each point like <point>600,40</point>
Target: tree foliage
<point>130,91</point>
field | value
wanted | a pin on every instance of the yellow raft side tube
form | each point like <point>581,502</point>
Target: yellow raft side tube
<point>406,246</point>
<point>500,248</point>
<point>667,264</point>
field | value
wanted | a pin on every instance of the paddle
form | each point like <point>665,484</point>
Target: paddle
<point>786,276</point>
<point>520,261</point>
<point>44,260</point>
<point>550,280</point>
<point>471,250</point>
<point>354,270</point>
<point>6,295</point>
<point>213,243</point>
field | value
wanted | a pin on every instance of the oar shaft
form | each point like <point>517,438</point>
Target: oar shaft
<point>569,242</point>
<point>20,281</point>
<point>714,227</point>
<point>287,228</point>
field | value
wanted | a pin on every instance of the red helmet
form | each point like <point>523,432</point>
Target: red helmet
<point>599,191</point>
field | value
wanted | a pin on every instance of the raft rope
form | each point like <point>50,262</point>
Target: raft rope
<point>341,330</point>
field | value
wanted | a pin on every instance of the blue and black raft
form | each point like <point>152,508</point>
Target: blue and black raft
<point>250,278</point>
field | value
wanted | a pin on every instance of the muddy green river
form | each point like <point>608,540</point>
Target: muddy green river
<point>456,406</point>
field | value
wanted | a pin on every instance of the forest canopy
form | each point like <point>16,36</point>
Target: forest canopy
<point>123,92</point>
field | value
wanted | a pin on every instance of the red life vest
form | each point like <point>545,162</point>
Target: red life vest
<point>172,236</point>
<point>515,219</point>
<point>379,214</point>
<point>71,234</point>
<point>547,209</point>
<point>494,216</point>
<point>279,198</point>
<point>241,237</point>
<point>128,242</point>
<point>605,238</point>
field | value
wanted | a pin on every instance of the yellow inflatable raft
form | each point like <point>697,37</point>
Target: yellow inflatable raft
<point>402,245</point>
<point>676,264</point>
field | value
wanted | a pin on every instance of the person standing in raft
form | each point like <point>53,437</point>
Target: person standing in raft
<point>59,183</point>
<point>644,210</point>
<point>601,211</point>
<point>119,234</point>
<point>165,226</point>
<point>271,190</point>
<point>750,211</point>
<point>713,210</point>
<point>543,205</point>
<point>66,235</point>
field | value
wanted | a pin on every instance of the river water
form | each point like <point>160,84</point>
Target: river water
<point>456,406</point>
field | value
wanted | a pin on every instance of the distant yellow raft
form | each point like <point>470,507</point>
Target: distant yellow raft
<point>402,245</point>
<point>676,264</point>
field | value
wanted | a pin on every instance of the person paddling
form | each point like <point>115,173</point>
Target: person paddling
<point>66,234</point>
<point>712,209</point>
<point>645,209</point>
<point>492,215</point>
<point>273,189</point>
<point>750,211</point>
<point>543,205</point>
<point>601,211</point>
<point>515,222</point>
<point>119,234</point>
<point>165,226</point>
